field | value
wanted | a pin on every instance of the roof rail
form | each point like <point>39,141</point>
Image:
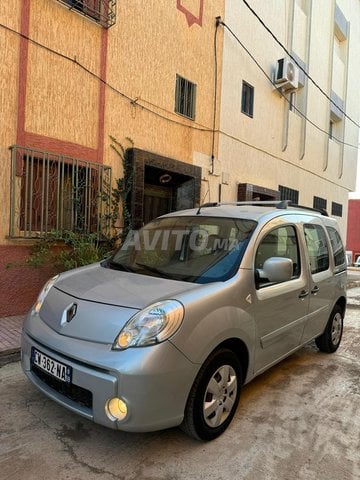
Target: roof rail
<point>280,204</point>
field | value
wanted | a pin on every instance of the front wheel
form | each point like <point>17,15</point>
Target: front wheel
<point>330,340</point>
<point>214,396</point>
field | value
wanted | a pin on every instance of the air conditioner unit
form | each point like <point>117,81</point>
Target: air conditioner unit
<point>286,74</point>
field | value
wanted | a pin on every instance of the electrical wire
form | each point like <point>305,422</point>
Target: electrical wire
<point>218,20</point>
<point>135,102</point>
<point>282,94</point>
<point>298,64</point>
<point>132,101</point>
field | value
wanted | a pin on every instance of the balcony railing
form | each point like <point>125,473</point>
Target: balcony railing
<point>55,192</point>
<point>101,11</point>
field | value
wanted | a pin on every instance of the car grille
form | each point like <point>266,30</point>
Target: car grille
<point>78,394</point>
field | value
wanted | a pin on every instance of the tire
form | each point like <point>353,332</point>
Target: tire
<point>330,340</point>
<point>214,396</point>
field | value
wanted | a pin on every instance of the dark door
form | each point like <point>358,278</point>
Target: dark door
<point>157,201</point>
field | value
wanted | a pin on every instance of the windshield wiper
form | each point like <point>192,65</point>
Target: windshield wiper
<point>155,270</point>
<point>119,266</point>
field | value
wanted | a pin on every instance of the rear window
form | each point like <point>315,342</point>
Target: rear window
<point>317,248</point>
<point>337,248</point>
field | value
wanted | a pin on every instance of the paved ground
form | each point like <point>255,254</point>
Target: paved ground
<point>300,420</point>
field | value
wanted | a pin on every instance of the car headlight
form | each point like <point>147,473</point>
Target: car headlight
<point>43,293</point>
<point>153,325</point>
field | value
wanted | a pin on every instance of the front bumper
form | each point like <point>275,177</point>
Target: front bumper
<point>153,381</point>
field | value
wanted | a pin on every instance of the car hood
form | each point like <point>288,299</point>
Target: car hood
<point>113,287</point>
<point>94,303</point>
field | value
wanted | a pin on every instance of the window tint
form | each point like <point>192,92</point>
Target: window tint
<point>337,247</point>
<point>280,242</point>
<point>317,248</point>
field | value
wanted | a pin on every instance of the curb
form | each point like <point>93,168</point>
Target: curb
<point>10,356</point>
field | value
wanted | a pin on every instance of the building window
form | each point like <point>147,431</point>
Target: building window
<point>54,192</point>
<point>185,97</point>
<point>287,193</point>
<point>336,209</point>
<point>319,203</point>
<point>247,99</point>
<point>102,11</point>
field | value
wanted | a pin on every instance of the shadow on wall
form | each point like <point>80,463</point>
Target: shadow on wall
<point>20,284</point>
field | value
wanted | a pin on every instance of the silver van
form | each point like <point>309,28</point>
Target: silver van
<point>192,306</point>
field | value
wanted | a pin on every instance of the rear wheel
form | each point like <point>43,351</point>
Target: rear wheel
<point>214,396</point>
<point>330,340</point>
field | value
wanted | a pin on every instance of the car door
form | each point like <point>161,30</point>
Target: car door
<point>279,309</point>
<point>322,285</point>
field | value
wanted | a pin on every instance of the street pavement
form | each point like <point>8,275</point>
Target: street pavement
<point>298,421</point>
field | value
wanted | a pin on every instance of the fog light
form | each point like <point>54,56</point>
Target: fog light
<point>116,409</point>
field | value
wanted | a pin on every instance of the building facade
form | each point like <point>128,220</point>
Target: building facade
<point>193,91</point>
<point>289,113</point>
<point>79,74</point>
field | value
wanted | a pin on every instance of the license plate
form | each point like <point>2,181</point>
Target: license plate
<point>52,367</point>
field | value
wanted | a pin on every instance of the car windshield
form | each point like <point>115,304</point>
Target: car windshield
<point>192,249</point>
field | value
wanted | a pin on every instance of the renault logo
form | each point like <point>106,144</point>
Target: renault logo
<point>71,312</point>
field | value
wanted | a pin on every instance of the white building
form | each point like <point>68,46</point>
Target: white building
<point>297,141</point>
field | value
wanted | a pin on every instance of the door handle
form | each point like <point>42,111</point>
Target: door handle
<point>303,293</point>
<point>315,290</point>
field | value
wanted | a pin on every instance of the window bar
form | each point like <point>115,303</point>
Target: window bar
<point>31,188</point>
<point>42,170</point>
<point>99,200</point>
<point>46,199</point>
<point>61,193</point>
<point>76,194</point>
<point>13,193</point>
<point>87,201</point>
<point>26,193</point>
<point>58,198</point>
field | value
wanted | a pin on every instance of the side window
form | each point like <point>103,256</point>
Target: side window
<point>337,248</point>
<point>317,248</point>
<point>280,242</point>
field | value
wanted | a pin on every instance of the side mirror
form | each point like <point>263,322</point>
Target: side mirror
<point>277,269</point>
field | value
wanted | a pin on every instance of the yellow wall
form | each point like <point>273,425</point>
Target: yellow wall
<point>151,43</point>
<point>9,44</point>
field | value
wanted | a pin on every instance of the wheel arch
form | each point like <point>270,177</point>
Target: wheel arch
<point>239,348</point>
<point>341,302</point>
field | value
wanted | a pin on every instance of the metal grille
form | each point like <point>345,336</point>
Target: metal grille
<point>55,192</point>
<point>287,193</point>
<point>336,209</point>
<point>319,203</point>
<point>102,11</point>
<point>185,97</point>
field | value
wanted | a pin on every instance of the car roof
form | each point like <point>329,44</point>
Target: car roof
<point>248,210</point>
